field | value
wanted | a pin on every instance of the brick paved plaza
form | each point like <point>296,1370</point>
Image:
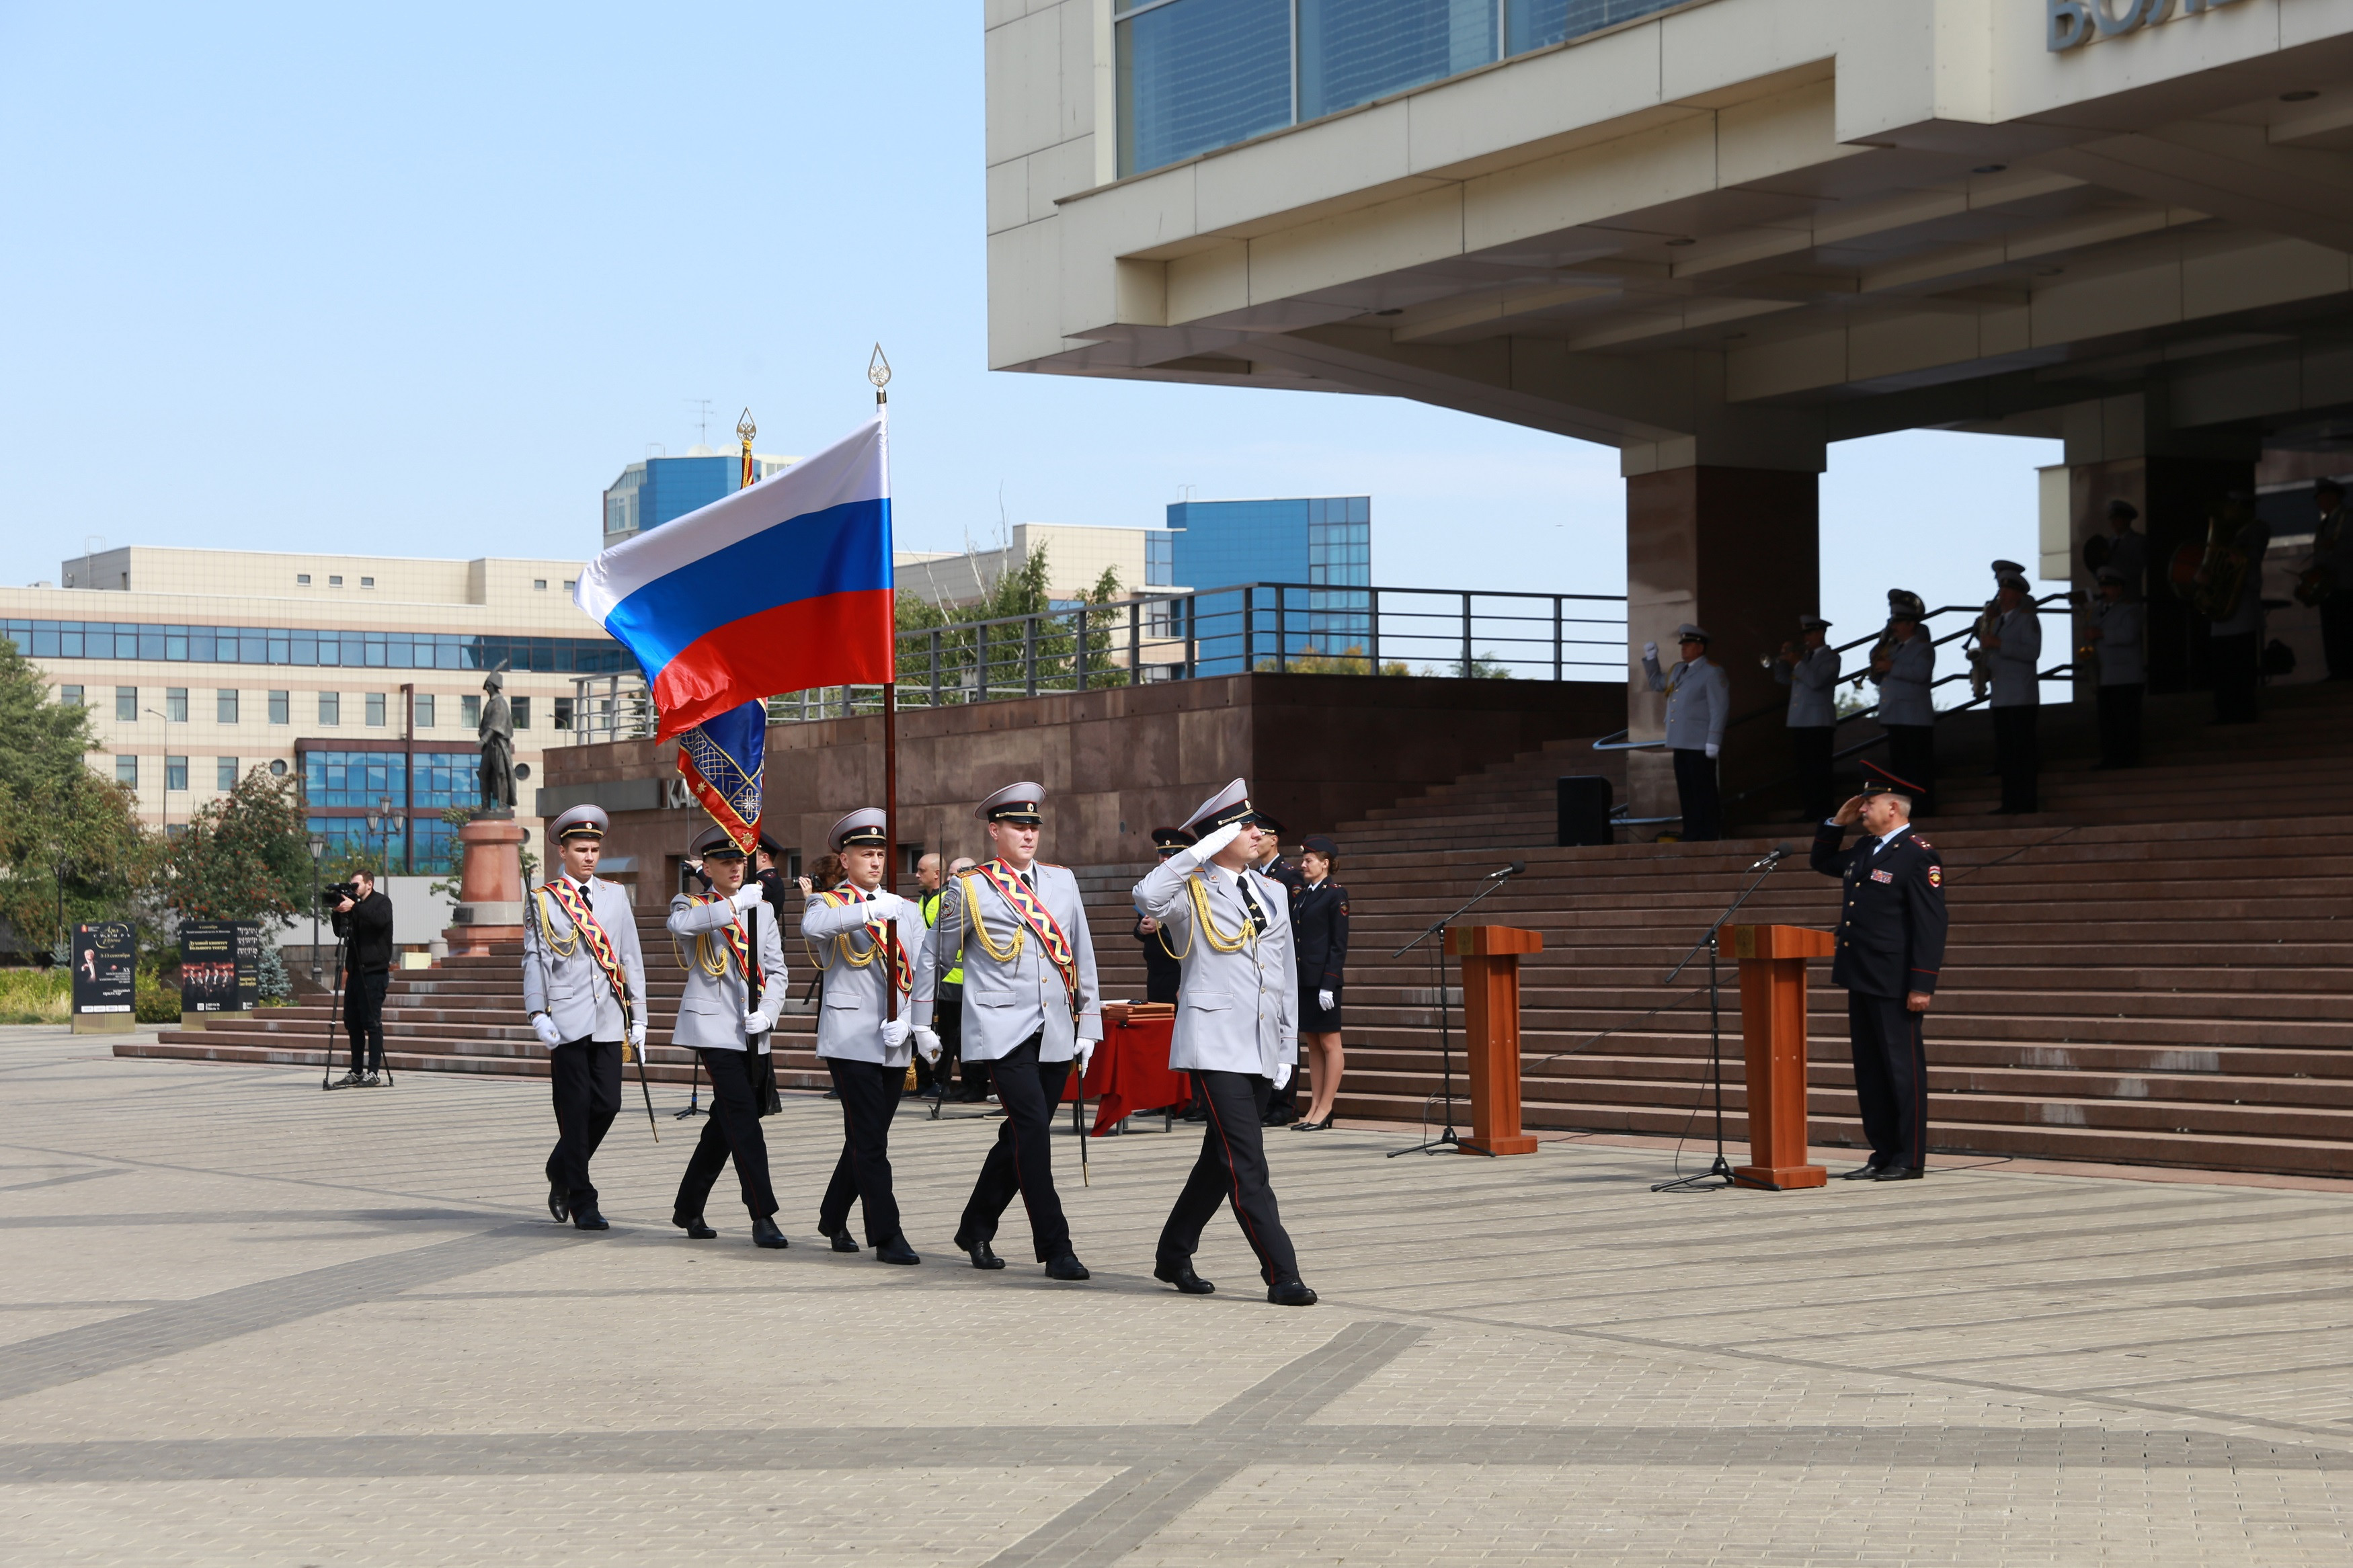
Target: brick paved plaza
<point>249,1322</point>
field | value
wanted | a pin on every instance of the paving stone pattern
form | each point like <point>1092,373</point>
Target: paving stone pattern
<point>244,1322</point>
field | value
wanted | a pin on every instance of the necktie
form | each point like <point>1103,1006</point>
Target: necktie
<point>1257,915</point>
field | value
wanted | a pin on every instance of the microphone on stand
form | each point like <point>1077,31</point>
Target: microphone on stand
<point>1773,857</point>
<point>1514,869</point>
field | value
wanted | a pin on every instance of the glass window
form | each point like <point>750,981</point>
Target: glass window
<point>126,702</point>
<point>331,708</point>
<point>175,772</point>
<point>225,704</point>
<point>1197,74</point>
<point>425,710</point>
<point>538,585</point>
<point>281,705</point>
<point>334,581</point>
<point>562,713</point>
<point>367,582</point>
<point>1160,559</point>
<point>303,579</point>
<point>1353,51</point>
<point>470,710</point>
<point>521,706</point>
<point>570,583</point>
<point>126,771</point>
<point>225,773</point>
<point>69,696</point>
<point>375,710</point>
<point>176,704</point>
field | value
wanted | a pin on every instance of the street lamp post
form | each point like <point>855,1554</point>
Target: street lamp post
<point>318,857</point>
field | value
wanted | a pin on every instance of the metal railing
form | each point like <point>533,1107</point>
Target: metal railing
<point>1264,627</point>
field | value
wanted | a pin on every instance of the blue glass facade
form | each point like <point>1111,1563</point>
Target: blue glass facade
<point>1194,75</point>
<point>1323,541</point>
<point>651,493</point>
<point>308,646</point>
<point>341,788</point>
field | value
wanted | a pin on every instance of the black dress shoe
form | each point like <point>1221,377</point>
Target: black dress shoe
<point>1180,1273</point>
<point>896,1250</point>
<point>1290,1293</point>
<point>982,1256</point>
<point>1897,1174</point>
<point>589,1219</point>
<point>1861,1174</point>
<point>559,1202</point>
<point>840,1239</point>
<point>766,1234</point>
<point>1067,1267</point>
<point>695,1226</point>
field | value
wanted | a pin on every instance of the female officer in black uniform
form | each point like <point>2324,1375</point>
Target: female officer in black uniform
<point>1319,925</point>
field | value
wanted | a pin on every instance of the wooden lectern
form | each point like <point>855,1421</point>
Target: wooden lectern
<point>1773,1028</point>
<point>1491,1031</point>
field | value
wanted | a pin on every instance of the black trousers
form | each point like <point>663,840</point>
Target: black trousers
<point>1232,1166</point>
<point>870,1098</point>
<point>1911,754</point>
<point>2017,754</point>
<point>364,1016</point>
<point>739,1083</point>
<point>2336,633</point>
<point>2231,660</point>
<point>1890,1077</point>
<point>587,1078</point>
<point>1021,1160</point>
<point>1702,805</point>
<point>1810,753</point>
<point>2120,724</point>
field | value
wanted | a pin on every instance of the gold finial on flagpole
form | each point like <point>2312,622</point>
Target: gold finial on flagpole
<point>878,371</point>
<point>745,430</point>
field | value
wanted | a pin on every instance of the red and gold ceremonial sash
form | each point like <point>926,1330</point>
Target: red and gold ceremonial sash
<point>1037,917</point>
<point>737,944</point>
<point>574,902</point>
<point>903,970</point>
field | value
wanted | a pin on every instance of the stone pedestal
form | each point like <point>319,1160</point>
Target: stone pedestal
<point>490,893</point>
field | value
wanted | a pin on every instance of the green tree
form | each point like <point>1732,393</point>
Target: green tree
<point>245,857</point>
<point>55,812</point>
<point>975,662</point>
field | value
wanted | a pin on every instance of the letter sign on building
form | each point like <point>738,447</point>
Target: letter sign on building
<point>2074,22</point>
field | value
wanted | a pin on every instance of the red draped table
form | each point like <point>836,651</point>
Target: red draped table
<point>1130,1070</point>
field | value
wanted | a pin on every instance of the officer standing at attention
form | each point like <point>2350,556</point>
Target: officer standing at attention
<point>2115,636</point>
<point>1810,668</point>
<point>1891,945</point>
<point>2123,551</point>
<point>719,1020</point>
<point>865,938</point>
<point>2234,641</point>
<point>1161,971</point>
<point>2016,643</point>
<point>1699,697</point>
<point>583,985</point>
<point>1031,1011</point>
<point>1236,1032</point>
<point>1319,928</point>
<point>1905,666</point>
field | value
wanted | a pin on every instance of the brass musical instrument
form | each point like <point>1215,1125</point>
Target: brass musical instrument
<point>2213,577</point>
<point>1979,655</point>
<point>2314,584</point>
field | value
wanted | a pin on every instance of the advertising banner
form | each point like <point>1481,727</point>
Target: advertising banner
<point>104,962</point>
<point>220,966</point>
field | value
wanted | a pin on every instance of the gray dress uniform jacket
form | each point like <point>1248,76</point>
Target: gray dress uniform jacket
<point>573,990</point>
<point>2015,684</point>
<point>2123,658</point>
<point>710,1013</point>
<point>1236,1012</point>
<point>1813,705</point>
<point>850,1024</point>
<point>1904,697</point>
<point>1005,1003</point>
<point>1699,697</point>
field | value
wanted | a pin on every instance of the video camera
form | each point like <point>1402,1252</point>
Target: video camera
<point>335,894</point>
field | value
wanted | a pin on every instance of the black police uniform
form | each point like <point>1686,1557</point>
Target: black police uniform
<point>1891,942</point>
<point>1319,924</point>
<point>1163,973</point>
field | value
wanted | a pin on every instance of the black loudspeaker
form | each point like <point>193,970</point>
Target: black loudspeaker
<point>1585,810</point>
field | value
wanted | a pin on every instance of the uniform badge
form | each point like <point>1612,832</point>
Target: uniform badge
<point>1936,875</point>
<point>1882,875</point>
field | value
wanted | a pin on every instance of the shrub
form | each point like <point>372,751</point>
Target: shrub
<point>36,996</point>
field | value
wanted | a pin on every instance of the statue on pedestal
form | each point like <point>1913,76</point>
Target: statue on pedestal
<point>496,733</point>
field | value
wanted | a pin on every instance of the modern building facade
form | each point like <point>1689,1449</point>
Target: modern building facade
<point>657,490</point>
<point>1325,541</point>
<point>359,675</point>
<point>1717,235</point>
<point>1077,556</point>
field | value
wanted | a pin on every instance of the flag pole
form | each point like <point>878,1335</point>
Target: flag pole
<point>878,371</point>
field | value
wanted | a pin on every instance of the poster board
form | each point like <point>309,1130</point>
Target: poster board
<point>220,966</point>
<point>105,961</point>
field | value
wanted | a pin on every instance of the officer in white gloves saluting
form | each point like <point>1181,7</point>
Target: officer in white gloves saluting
<point>1699,700</point>
<point>1236,1032</point>
<point>733,983</point>
<point>584,982</point>
<point>1030,1011</point>
<point>866,938</point>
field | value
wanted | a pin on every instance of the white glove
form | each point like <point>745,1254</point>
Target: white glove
<point>888,906</point>
<point>1205,849</point>
<point>1651,651</point>
<point>637,1037</point>
<point>1282,1074</point>
<point>1712,749</point>
<point>1083,1054</point>
<point>894,1033</point>
<point>928,1042</point>
<point>544,1028</point>
<point>1325,1000</point>
<point>749,894</point>
<point>756,1023</point>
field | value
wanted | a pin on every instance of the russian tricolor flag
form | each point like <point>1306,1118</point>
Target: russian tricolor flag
<point>782,586</point>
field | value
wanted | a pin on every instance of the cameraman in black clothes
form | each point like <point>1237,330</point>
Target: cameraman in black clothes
<point>363,918</point>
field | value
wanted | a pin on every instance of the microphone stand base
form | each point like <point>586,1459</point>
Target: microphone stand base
<point>1717,1175</point>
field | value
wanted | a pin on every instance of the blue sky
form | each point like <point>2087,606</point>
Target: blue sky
<point>422,280</point>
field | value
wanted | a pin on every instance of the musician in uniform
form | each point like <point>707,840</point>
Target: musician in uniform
<point>865,938</point>
<point>1319,926</point>
<point>2123,550</point>
<point>2329,578</point>
<point>1031,1011</point>
<point>2232,587</point>
<point>1810,668</point>
<point>1891,945</point>
<point>2115,636</point>
<point>2015,648</point>
<point>1236,1032</point>
<point>1904,667</point>
<point>583,985</point>
<point>1699,699</point>
<point>1161,970</point>
<point>736,982</point>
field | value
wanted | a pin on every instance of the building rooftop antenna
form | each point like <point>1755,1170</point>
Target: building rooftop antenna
<point>701,408</point>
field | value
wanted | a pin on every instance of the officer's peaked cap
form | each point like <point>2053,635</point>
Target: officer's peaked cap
<point>580,822</point>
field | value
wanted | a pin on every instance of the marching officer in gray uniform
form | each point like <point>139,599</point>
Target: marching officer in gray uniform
<point>866,938</point>
<point>1699,700</point>
<point>735,982</point>
<point>2016,645</point>
<point>1904,667</point>
<point>1236,1032</point>
<point>2115,636</point>
<point>1810,668</point>
<point>584,983</point>
<point>1031,1011</point>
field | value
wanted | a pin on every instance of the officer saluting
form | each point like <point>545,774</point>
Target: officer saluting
<point>584,982</point>
<point>1891,945</point>
<point>1699,700</point>
<point>1236,1032</point>
<point>865,938</point>
<point>1030,1006</point>
<point>718,1018</point>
